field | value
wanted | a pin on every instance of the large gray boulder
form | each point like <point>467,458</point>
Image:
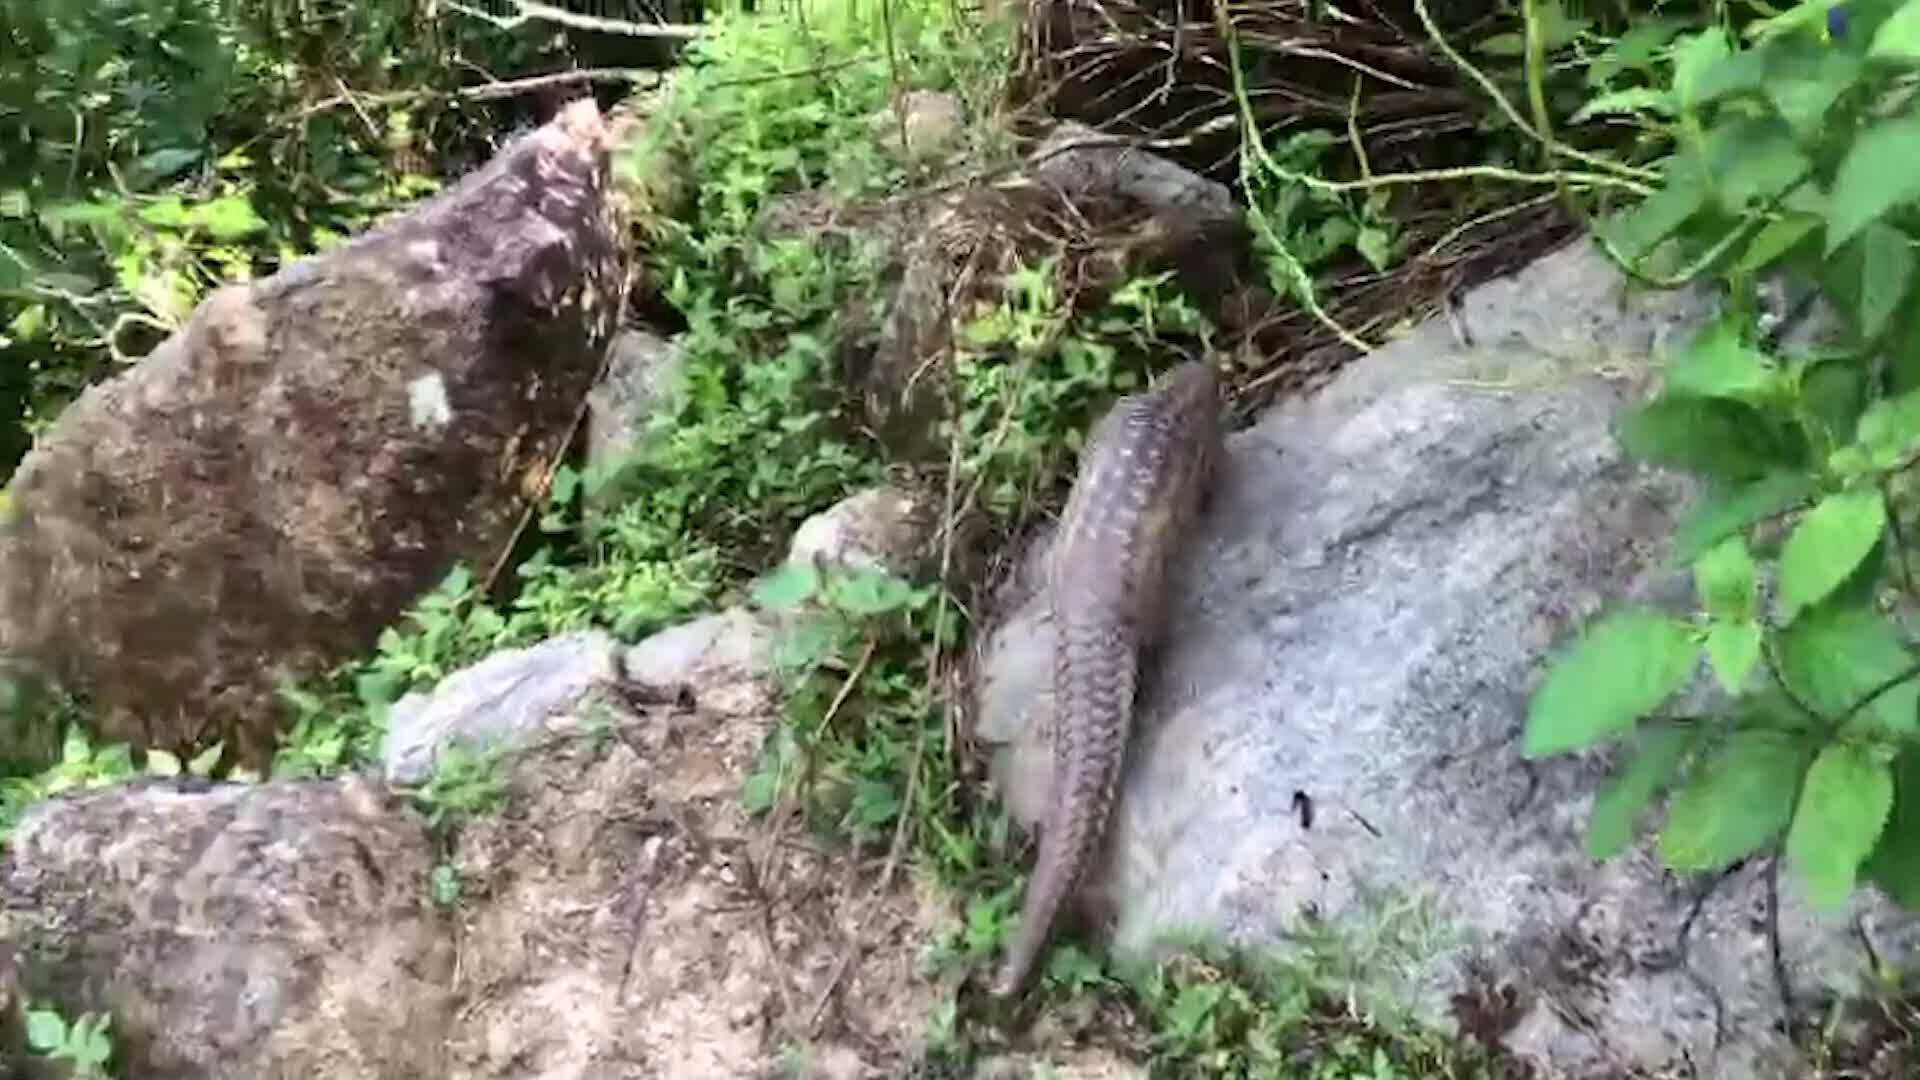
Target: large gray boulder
<point>1329,741</point>
<point>283,477</point>
<point>233,930</point>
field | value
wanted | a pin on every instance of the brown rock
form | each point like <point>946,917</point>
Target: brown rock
<point>285,475</point>
<point>234,930</point>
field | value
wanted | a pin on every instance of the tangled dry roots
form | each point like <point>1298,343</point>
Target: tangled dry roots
<point>1367,74</point>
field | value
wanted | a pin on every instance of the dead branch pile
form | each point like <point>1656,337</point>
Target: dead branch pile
<point>1367,82</point>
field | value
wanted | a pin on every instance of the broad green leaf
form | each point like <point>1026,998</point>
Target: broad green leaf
<point>162,763</point>
<point>1890,429</point>
<point>1695,60</point>
<point>757,794</point>
<point>1843,808</point>
<point>46,1029</point>
<point>1717,363</point>
<point>805,643</point>
<point>1899,37</point>
<point>1621,667</point>
<point>1827,545</point>
<point>1883,260</point>
<point>1733,648</point>
<point>1683,191</point>
<point>1735,802</point>
<point>1877,175</point>
<point>1725,439</point>
<point>1753,160</point>
<point>793,584</point>
<point>874,802</point>
<point>1895,863</point>
<point>203,762</point>
<point>1729,510</point>
<point>1624,797</point>
<point>91,1043</point>
<point>1375,246</point>
<point>1724,578</point>
<point>1832,395</point>
<point>74,748</point>
<point>871,592</point>
<point>1833,656</point>
<point>1775,239</point>
<point>1804,79</point>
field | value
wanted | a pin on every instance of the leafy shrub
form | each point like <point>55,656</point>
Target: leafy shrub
<point>1794,153</point>
<point>153,149</point>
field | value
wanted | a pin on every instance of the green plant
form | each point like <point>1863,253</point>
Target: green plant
<point>465,781</point>
<point>156,148</point>
<point>1792,154</point>
<point>85,1042</point>
<point>83,765</point>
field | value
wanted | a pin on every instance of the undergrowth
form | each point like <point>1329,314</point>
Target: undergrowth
<point>1791,151</point>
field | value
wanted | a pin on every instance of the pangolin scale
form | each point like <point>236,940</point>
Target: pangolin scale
<point>1140,484</point>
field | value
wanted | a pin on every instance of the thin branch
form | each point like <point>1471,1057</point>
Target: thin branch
<point>534,11</point>
<point>486,91</point>
<point>1780,979</point>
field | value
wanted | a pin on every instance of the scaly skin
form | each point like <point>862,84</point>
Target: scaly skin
<point>1140,484</point>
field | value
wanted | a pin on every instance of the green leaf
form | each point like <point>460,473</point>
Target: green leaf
<point>1895,863</point>
<point>874,802</point>
<point>1899,37</point>
<point>1804,79</point>
<point>1890,429</point>
<point>1724,578</point>
<point>1695,56</point>
<point>1638,48</point>
<point>1729,510</point>
<point>1774,240</point>
<point>46,1029</point>
<point>1718,363</point>
<point>793,584</point>
<point>1733,648</point>
<point>1375,246</point>
<point>1620,668</point>
<point>1827,545</point>
<point>1618,805</point>
<point>162,763</point>
<point>1685,185</point>
<point>1843,808</point>
<point>1631,100</point>
<point>1877,175</point>
<point>1735,802</point>
<point>1725,439</point>
<point>203,762</point>
<point>1834,656</point>
<point>871,592</point>
<point>1882,269</point>
<point>757,794</point>
<point>1832,395</point>
<point>1194,1002</point>
<point>1753,161</point>
<point>805,643</point>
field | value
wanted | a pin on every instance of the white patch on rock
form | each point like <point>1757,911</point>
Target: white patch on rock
<point>428,404</point>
